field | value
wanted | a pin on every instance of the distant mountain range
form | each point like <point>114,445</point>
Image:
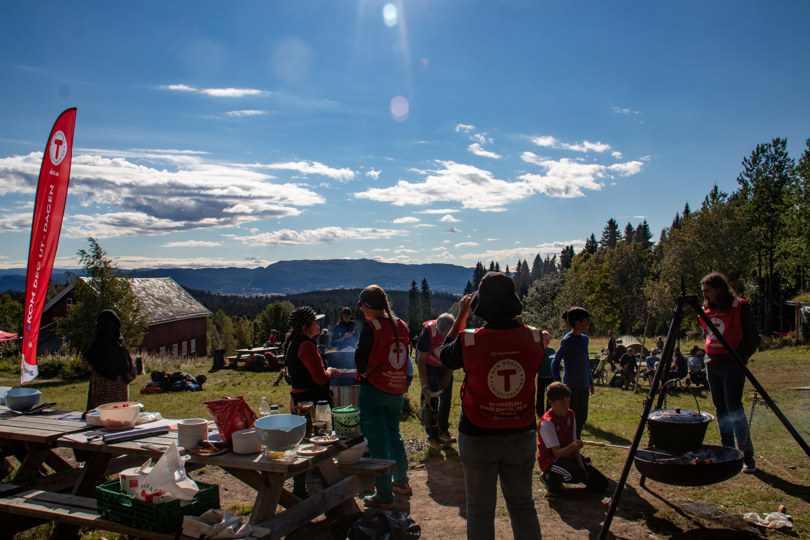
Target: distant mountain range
<point>290,277</point>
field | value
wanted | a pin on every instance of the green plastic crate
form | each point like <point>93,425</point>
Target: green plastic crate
<point>157,517</point>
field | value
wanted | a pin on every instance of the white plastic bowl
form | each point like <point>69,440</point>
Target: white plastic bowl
<point>245,441</point>
<point>119,415</point>
<point>353,454</point>
<point>281,432</point>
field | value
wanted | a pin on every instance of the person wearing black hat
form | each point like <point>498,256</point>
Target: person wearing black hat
<point>497,437</point>
<point>343,334</point>
<point>382,363</point>
<point>307,370</point>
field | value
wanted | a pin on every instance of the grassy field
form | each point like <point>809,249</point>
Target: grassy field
<point>783,478</point>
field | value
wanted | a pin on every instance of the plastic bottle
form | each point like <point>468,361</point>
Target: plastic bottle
<point>264,408</point>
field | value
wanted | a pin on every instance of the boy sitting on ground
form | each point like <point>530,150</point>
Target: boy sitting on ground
<point>559,457</point>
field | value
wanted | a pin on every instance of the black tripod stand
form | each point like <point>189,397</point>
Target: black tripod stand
<point>666,357</point>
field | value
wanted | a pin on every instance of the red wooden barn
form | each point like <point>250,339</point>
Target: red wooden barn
<point>175,321</point>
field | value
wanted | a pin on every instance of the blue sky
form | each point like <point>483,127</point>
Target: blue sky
<point>244,133</point>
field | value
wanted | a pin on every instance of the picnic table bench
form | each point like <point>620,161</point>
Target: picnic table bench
<point>35,497</point>
<point>242,355</point>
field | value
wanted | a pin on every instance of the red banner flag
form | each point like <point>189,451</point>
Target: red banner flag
<point>49,207</point>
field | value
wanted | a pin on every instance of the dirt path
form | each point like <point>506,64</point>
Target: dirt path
<point>438,507</point>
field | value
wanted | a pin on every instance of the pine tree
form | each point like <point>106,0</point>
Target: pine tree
<point>427,309</point>
<point>537,268</point>
<point>591,245</point>
<point>478,273</point>
<point>610,235</point>
<point>643,235</point>
<point>629,234</point>
<point>566,256</point>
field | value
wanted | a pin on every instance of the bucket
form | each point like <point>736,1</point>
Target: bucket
<point>346,421</point>
<point>344,396</point>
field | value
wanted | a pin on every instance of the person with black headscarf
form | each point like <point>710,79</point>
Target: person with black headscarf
<point>111,367</point>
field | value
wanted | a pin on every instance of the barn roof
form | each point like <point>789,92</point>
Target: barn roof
<point>164,300</point>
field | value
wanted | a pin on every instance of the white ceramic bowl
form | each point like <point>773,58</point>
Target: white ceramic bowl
<point>119,415</point>
<point>353,454</point>
<point>281,432</point>
<point>245,441</point>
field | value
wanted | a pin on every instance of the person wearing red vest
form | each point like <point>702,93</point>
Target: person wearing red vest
<point>381,358</point>
<point>733,318</point>
<point>437,380</point>
<point>497,430</point>
<point>558,447</point>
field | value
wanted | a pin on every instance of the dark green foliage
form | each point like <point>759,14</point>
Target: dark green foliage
<point>106,289</point>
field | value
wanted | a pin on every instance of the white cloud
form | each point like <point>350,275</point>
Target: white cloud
<point>476,149</point>
<point>155,192</point>
<point>406,250</point>
<point>472,187</point>
<point>409,219</point>
<point>313,167</point>
<point>324,235</point>
<point>511,255</point>
<point>452,230</point>
<point>625,111</point>
<point>568,178</point>
<point>192,243</point>
<point>246,112</point>
<point>217,92</point>
<point>438,211</point>
<point>371,173</point>
<point>616,154</point>
<point>425,225</point>
<point>466,244</point>
<point>547,141</point>
<point>464,128</point>
<point>449,219</point>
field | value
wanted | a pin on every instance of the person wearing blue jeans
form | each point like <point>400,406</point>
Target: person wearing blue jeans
<point>436,378</point>
<point>732,316</point>
<point>497,431</point>
<point>382,362</point>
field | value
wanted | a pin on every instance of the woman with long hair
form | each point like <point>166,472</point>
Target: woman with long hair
<point>733,317</point>
<point>111,367</point>
<point>381,359</point>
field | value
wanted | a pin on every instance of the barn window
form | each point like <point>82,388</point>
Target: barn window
<point>193,346</point>
<point>174,349</point>
<point>185,348</point>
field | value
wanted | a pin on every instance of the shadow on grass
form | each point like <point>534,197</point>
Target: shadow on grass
<point>794,490</point>
<point>606,436</point>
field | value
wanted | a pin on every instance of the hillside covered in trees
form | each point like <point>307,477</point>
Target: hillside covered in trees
<point>758,236</point>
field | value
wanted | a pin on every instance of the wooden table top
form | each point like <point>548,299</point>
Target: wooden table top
<point>154,447</point>
<point>44,427</point>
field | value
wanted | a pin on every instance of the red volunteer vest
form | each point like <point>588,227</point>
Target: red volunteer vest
<point>498,392</point>
<point>564,427</point>
<point>387,363</point>
<point>729,324</point>
<point>436,342</point>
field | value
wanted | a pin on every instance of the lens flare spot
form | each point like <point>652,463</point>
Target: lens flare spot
<point>399,109</point>
<point>389,13</point>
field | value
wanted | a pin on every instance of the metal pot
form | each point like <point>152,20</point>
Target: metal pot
<point>343,396</point>
<point>678,429</point>
<point>704,466</point>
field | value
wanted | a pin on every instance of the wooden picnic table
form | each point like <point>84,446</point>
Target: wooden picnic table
<point>247,353</point>
<point>267,476</point>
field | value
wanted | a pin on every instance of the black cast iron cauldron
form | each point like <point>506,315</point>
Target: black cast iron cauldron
<point>678,429</point>
<point>704,466</point>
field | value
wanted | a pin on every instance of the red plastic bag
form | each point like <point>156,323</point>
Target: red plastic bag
<point>231,414</point>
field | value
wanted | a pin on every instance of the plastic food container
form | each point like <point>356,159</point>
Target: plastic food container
<point>119,415</point>
<point>245,441</point>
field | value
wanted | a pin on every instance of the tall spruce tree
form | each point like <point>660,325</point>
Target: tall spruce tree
<point>591,245</point>
<point>610,235</point>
